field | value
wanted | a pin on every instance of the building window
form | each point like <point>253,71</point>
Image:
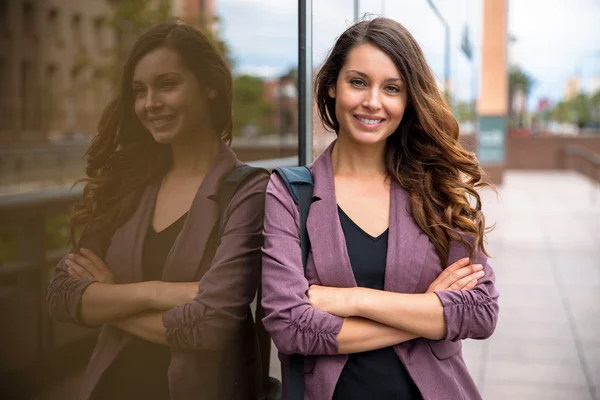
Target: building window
<point>4,16</point>
<point>99,33</point>
<point>28,20</point>
<point>54,26</point>
<point>76,32</point>
<point>4,112</point>
<point>51,95</point>
<point>25,95</point>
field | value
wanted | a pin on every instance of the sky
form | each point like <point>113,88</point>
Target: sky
<point>554,39</point>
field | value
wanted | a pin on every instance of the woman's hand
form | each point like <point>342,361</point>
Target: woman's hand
<point>88,265</point>
<point>459,276</point>
<point>336,301</point>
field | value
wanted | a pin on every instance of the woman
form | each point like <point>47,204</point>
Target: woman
<point>166,273</point>
<point>377,315</point>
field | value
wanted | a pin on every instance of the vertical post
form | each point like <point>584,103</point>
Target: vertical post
<point>304,82</point>
<point>446,48</point>
<point>356,10</point>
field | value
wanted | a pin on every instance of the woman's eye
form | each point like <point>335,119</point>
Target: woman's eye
<point>138,92</point>
<point>167,84</point>
<point>393,89</point>
<point>357,82</point>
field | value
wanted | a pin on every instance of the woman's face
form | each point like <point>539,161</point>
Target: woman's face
<point>370,96</point>
<point>169,100</point>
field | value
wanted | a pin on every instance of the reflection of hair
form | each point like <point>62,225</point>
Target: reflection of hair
<point>423,154</point>
<point>123,157</point>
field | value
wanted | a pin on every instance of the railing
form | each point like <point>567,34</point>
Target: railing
<point>586,162</point>
<point>35,350</point>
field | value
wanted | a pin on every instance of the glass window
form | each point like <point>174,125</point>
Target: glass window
<point>261,38</point>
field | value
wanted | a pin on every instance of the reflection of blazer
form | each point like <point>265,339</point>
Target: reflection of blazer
<point>436,367</point>
<point>213,342</point>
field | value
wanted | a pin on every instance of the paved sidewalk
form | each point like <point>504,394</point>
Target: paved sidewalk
<point>546,250</point>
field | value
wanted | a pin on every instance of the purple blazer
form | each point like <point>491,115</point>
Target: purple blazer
<point>437,367</point>
<point>214,351</point>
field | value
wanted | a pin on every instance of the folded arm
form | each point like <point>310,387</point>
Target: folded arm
<point>442,314</point>
<point>214,318</point>
<point>294,324</point>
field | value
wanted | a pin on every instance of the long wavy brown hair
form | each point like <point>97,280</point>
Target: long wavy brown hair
<point>123,158</point>
<point>423,154</point>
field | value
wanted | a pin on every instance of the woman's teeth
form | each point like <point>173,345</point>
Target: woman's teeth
<point>369,121</point>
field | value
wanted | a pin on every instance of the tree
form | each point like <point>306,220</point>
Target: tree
<point>519,81</point>
<point>249,106</point>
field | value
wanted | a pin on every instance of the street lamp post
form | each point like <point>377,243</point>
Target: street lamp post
<point>446,48</point>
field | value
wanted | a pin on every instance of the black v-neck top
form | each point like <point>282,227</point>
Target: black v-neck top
<point>377,374</point>
<point>140,370</point>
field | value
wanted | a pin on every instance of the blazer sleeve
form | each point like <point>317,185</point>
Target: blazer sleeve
<point>294,325</point>
<point>227,289</point>
<point>64,291</point>
<point>470,314</point>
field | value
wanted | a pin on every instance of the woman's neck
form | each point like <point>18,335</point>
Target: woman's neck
<point>351,159</point>
<point>194,157</point>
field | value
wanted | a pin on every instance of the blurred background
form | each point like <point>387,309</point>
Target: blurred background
<point>522,78</point>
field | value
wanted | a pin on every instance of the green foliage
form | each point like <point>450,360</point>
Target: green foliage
<point>465,111</point>
<point>582,109</point>
<point>518,81</point>
<point>249,107</point>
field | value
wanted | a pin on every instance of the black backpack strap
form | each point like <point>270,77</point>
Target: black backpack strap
<point>299,182</point>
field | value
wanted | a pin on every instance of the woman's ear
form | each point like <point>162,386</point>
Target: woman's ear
<point>331,92</point>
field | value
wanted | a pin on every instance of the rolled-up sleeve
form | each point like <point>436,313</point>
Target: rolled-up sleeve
<point>226,290</point>
<point>64,291</point>
<point>295,326</point>
<point>470,314</point>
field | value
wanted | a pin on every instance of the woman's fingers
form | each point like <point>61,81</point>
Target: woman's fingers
<point>88,265</point>
<point>467,280</point>
<point>98,262</point>
<point>453,278</point>
<point>77,270</point>
<point>470,285</point>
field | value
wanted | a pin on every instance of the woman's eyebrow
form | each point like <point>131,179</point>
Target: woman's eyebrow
<point>367,76</point>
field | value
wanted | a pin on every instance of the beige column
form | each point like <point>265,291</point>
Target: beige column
<point>492,105</point>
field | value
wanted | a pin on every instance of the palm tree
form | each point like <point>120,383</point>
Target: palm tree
<point>519,81</point>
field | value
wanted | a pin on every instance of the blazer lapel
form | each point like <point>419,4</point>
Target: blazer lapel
<point>407,245</point>
<point>327,241</point>
<point>189,248</point>
<point>124,255</point>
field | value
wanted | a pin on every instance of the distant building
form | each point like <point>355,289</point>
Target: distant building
<point>572,88</point>
<point>196,12</point>
<point>47,49</point>
<point>282,95</point>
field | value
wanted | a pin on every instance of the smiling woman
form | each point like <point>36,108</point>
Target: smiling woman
<point>397,274</point>
<point>165,265</point>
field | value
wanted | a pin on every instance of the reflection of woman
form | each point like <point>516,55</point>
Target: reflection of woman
<point>390,209</point>
<point>170,283</point>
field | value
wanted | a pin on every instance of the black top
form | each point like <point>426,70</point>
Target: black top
<point>140,370</point>
<point>377,374</point>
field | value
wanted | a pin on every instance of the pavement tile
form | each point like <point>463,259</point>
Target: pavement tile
<point>538,373</point>
<point>535,392</point>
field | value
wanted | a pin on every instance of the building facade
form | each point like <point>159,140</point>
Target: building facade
<point>50,52</point>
